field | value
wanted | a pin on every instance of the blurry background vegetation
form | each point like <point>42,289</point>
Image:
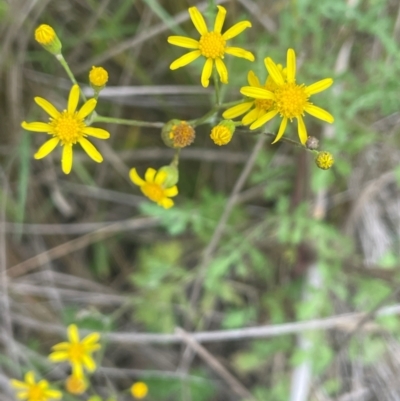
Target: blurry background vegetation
<point>299,244</point>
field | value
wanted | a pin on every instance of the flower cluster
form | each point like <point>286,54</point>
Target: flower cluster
<point>279,95</point>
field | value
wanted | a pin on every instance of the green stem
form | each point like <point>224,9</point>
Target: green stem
<point>65,65</point>
<point>204,119</point>
<point>175,159</point>
<point>127,122</point>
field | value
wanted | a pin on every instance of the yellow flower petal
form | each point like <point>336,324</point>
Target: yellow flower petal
<point>219,21</point>
<point>198,20</point>
<point>236,29</point>
<point>87,108</point>
<point>61,346</point>
<point>185,59</point>
<point>135,178</point>
<point>250,117</point>
<point>150,174</point>
<point>96,132</point>
<point>77,370</point>
<point>73,333</point>
<point>66,159</point>
<point>257,93</point>
<point>36,126</point>
<point>264,119</point>
<point>43,384</point>
<point>59,356</point>
<point>237,110</point>
<point>222,71</point>
<point>239,52</point>
<point>30,377</point>
<point>91,150</point>
<point>166,203</point>
<point>319,113</point>
<point>252,79</point>
<point>91,339</point>
<point>46,148</point>
<point>73,99</point>
<point>206,73</point>
<point>183,41</point>
<point>281,131</point>
<point>274,71</point>
<point>171,192</point>
<point>47,107</point>
<point>291,65</point>
<point>302,130</point>
<point>89,363</point>
<point>54,394</point>
<point>319,86</point>
<point>23,395</point>
<point>160,177</point>
<point>18,384</point>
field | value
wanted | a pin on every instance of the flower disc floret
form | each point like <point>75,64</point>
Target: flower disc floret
<point>67,128</point>
<point>31,391</point>
<point>45,34</point>
<point>211,45</point>
<point>98,77</point>
<point>77,352</point>
<point>291,100</point>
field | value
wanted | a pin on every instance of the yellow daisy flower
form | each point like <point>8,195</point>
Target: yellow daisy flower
<point>31,391</point>
<point>153,186</point>
<point>289,99</point>
<point>67,128</point>
<point>256,108</point>
<point>76,352</point>
<point>211,45</point>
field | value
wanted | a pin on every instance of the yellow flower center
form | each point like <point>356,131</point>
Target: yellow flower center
<point>324,160</point>
<point>35,392</point>
<point>98,76</point>
<point>75,385</point>
<point>291,99</point>
<point>153,191</point>
<point>45,34</point>
<point>68,127</point>
<point>76,352</point>
<point>182,135</point>
<point>212,45</point>
<point>221,135</point>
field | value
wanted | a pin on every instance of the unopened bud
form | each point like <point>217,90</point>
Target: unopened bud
<point>222,133</point>
<point>47,37</point>
<point>324,160</point>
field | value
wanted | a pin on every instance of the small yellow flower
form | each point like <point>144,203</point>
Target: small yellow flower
<point>324,160</point>
<point>256,108</point>
<point>67,128</point>
<point>223,132</point>
<point>98,77</point>
<point>178,134</point>
<point>31,391</point>
<point>76,352</point>
<point>47,37</point>
<point>139,390</point>
<point>76,385</point>
<point>154,186</point>
<point>290,100</point>
<point>211,45</point>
